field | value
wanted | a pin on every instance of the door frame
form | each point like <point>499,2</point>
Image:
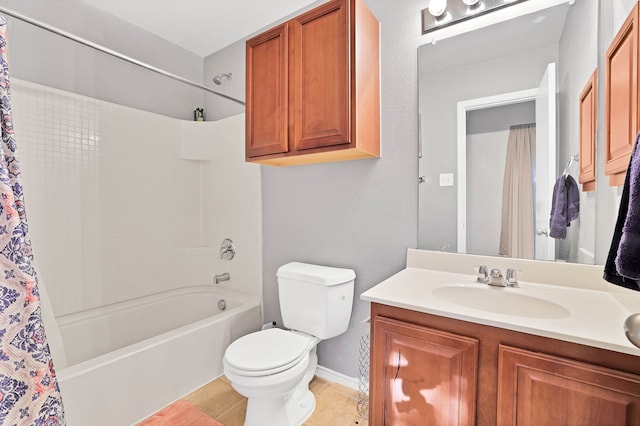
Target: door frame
<point>463,107</point>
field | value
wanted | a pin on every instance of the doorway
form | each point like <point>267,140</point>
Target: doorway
<point>544,172</point>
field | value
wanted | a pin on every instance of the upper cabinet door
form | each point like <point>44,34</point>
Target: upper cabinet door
<point>621,99</point>
<point>321,77</point>
<point>588,134</point>
<point>267,105</point>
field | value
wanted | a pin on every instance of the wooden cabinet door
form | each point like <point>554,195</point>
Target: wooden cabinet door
<point>421,376</point>
<point>267,103</point>
<point>621,99</point>
<point>321,77</point>
<point>537,389</point>
<point>588,134</point>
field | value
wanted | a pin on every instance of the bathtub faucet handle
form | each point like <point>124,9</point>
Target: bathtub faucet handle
<point>217,279</point>
<point>227,249</point>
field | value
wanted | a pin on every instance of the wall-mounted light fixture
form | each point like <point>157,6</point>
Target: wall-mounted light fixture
<point>437,7</point>
<point>442,13</point>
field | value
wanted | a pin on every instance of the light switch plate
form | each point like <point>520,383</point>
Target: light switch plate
<point>446,179</point>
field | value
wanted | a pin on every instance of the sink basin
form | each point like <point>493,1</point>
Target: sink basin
<point>501,301</point>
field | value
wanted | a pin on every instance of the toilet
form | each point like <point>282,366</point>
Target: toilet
<point>273,367</point>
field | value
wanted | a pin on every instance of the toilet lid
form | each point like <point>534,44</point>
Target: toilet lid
<point>271,349</point>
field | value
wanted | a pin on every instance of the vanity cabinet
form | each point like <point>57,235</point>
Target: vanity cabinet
<point>313,87</point>
<point>427,376</point>
<point>536,389</point>
<point>621,99</point>
<point>451,372</point>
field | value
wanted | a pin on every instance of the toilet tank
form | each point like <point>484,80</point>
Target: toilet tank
<point>315,299</point>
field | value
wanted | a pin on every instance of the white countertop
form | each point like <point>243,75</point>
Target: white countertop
<point>590,317</point>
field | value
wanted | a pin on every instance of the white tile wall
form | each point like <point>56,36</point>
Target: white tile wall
<point>113,208</point>
<point>232,202</point>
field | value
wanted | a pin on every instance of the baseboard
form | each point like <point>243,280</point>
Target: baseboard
<point>335,377</point>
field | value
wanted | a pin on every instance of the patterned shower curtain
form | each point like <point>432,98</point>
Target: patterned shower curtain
<point>29,393</point>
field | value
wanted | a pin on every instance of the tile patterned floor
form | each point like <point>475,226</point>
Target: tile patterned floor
<point>335,404</point>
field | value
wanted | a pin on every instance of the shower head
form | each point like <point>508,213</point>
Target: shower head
<point>218,79</point>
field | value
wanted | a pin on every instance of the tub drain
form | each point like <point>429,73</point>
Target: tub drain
<point>222,305</point>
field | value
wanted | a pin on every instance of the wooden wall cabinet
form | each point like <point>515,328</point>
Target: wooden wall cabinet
<point>313,87</point>
<point>428,369</point>
<point>621,99</point>
<point>267,106</point>
<point>587,175</point>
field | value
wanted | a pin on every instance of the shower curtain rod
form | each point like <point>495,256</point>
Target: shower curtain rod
<point>111,52</point>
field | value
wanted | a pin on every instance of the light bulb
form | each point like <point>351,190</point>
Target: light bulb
<point>437,7</point>
<point>470,2</point>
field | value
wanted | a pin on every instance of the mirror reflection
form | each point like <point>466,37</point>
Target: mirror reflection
<point>499,123</point>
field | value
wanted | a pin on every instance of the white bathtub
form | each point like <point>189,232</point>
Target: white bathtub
<point>128,360</point>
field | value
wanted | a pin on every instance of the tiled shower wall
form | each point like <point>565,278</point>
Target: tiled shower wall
<point>124,203</point>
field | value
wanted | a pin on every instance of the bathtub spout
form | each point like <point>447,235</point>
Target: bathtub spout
<point>217,279</point>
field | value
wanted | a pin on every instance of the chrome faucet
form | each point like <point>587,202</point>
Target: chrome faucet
<point>511,279</point>
<point>217,279</point>
<point>483,274</point>
<point>496,279</point>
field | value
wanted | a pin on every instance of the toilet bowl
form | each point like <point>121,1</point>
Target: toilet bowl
<point>273,367</point>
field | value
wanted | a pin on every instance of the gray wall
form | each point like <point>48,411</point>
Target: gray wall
<point>612,14</point>
<point>578,60</point>
<point>439,93</point>
<point>42,57</point>
<point>232,59</point>
<point>358,214</point>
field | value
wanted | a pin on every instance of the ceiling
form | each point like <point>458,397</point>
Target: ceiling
<point>201,26</point>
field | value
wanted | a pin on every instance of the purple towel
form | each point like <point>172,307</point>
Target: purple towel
<point>623,266</point>
<point>573,199</point>
<point>565,206</point>
<point>628,256</point>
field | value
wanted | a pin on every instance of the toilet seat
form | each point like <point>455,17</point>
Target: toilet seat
<point>267,352</point>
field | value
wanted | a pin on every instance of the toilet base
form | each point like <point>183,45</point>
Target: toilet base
<point>302,409</point>
<point>291,409</point>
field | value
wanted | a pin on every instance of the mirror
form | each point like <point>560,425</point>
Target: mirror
<point>467,87</point>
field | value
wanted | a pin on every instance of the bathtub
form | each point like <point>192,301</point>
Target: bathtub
<point>130,359</point>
